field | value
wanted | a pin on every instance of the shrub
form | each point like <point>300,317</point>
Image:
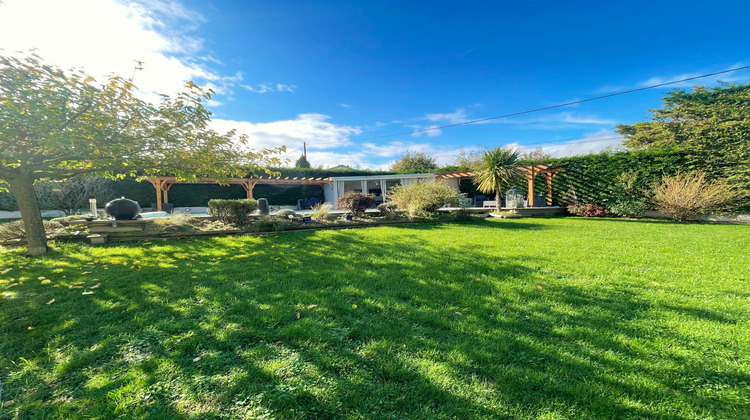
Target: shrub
<point>461,215</point>
<point>587,210</point>
<point>285,213</point>
<point>232,211</point>
<point>70,220</point>
<point>356,203</point>
<point>320,211</point>
<point>266,223</point>
<point>627,201</point>
<point>180,223</point>
<point>424,198</point>
<point>16,230</point>
<point>386,209</point>
<point>684,196</point>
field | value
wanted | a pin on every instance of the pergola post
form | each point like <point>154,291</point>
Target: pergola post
<point>165,186</point>
<point>549,176</point>
<point>530,177</point>
<point>157,183</point>
<point>248,186</point>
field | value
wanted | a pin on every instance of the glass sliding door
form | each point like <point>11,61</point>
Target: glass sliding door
<point>389,185</point>
<point>375,187</point>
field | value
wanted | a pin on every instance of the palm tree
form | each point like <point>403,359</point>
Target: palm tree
<point>497,167</point>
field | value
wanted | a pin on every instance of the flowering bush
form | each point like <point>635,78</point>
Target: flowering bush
<point>587,210</point>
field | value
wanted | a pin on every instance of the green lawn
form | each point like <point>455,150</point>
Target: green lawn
<point>561,318</point>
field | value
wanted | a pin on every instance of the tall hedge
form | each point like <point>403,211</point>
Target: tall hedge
<point>591,178</point>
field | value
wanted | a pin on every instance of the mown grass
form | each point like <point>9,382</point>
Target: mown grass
<point>533,318</point>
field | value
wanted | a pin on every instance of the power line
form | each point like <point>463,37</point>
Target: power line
<point>580,101</point>
<point>514,114</point>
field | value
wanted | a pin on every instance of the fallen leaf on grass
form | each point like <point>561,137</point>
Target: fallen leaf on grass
<point>41,278</point>
<point>95,286</point>
<point>539,287</point>
<point>8,403</point>
<point>75,287</point>
<point>298,315</point>
<point>11,285</point>
<point>87,293</point>
<point>477,279</point>
<point>56,285</point>
<point>86,272</point>
<point>279,342</point>
<point>6,271</point>
<point>278,258</point>
<point>30,327</point>
<point>51,302</point>
<point>46,281</point>
<point>311,306</point>
<point>354,306</point>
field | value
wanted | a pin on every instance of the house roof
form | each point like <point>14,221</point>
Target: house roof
<point>377,177</point>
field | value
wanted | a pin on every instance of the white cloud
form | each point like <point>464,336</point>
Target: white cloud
<point>593,143</point>
<point>659,80</point>
<point>456,117</point>
<point>558,121</point>
<point>396,148</point>
<point>576,118</point>
<point>431,131</point>
<point>106,37</point>
<point>270,87</point>
<point>311,128</point>
<point>345,105</point>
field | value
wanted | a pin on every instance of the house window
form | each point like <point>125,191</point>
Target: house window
<point>352,186</point>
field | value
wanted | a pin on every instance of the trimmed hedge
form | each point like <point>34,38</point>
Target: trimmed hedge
<point>592,178</point>
<point>232,211</point>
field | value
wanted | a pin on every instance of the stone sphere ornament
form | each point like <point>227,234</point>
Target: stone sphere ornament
<point>123,209</point>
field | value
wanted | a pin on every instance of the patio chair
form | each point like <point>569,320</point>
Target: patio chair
<point>307,204</point>
<point>479,199</point>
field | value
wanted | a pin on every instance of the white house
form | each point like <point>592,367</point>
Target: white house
<point>372,184</point>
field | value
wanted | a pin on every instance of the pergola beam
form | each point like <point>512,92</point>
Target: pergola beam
<point>162,184</point>
<point>531,172</point>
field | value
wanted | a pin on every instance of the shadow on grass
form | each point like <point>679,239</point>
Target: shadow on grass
<point>342,324</point>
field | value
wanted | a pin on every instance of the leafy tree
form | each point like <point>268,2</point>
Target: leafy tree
<point>302,162</point>
<point>713,123</point>
<point>57,124</point>
<point>498,167</point>
<point>467,159</point>
<point>414,162</point>
<point>535,155</point>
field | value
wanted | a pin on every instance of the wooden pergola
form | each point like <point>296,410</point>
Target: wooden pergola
<point>162,184</point>
<point>531,172</point>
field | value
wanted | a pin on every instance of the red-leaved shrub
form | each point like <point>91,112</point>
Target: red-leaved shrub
<point>587,210</point>
<point>357,203</point>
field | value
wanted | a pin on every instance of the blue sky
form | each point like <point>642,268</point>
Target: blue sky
<point>335,73</point>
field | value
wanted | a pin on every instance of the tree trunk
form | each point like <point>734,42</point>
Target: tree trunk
<point>498,199</point>
<point>22,188</point>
